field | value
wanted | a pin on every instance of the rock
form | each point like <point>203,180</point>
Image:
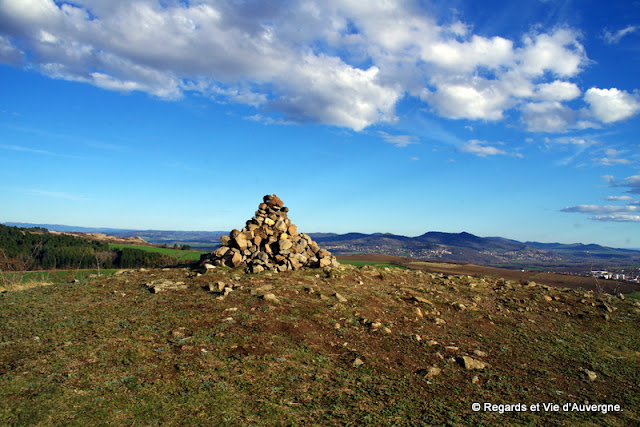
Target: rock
<point>422,300</point>
<point>273,201</point>
<point>165,285</point>
<point>357,362</point>
<point>271,298</point>
<point>269,241</point>
<point>480,353</point>
<point>340,298</point>
<point>221,251</point>
<point>206,268</point>
<point>432,371</point>
<point>284,244</point>
<point>469,363</point>
<point>236,259</point>
<point>590,375</point>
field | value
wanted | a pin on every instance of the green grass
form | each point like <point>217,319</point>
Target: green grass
<point>635,295</point>
<point>373,263</point>
<point>180,255</point>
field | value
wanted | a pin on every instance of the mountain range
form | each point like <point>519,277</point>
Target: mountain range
<point>459,247</point>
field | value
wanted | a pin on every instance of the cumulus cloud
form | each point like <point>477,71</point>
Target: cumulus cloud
<point>556,91</point>
<point>548,116</point>
<point>342,63</point>
<point>611,105</point>
<point>10,54</point>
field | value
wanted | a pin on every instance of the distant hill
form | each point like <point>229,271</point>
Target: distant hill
<point>466,247</point>
<point>461,247</point>
<point>205,240</point>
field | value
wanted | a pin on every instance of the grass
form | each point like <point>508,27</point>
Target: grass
<point>20,280</point>
<point>377,264</point>
<point>107,350</point>
<point>180,255</point>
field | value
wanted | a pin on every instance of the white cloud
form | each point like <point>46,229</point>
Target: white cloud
<point>619,198</point>
<point>596,209</point>
<point>611,161</point>
<point>613,38</point>
<point>483,149</point>
<point>556,91</point>
<point>559,53</point>
<point>398,140</point>
<point>547,116</point>
<point>339,62</point>
<point>617,218</point>
<point>611,105</point>
<point>10,54</point>
<point>475,99</point>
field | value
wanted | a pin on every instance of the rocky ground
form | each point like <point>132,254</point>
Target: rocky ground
<point>346,346</point>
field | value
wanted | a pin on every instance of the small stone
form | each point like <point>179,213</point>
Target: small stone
<point>591,376</point>
<point>480,353</point>
<point>547,298</point>
<point>339,297</point>
<point>271,298</point>
<point>433,371</point>
<point>422,300</point>
<point>418,312</point>
<point>475,379</point>
<point>357,362</point>
<point>470,363</point>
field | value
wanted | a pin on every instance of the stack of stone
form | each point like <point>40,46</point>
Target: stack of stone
<point>269,241</point>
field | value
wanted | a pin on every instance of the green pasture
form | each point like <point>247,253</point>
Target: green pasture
<point>180,255</point>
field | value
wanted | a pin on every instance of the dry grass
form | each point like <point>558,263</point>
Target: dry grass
<point>108,350</point>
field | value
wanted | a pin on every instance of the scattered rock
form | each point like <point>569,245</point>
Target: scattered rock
<point>340,298</point>
<point>165,285</point>
<point>430,372</point>
<point>480,353</point>
<point>469,363</point>
<point>590,375</point>
<point>271,298</point>
<point>357,362</point>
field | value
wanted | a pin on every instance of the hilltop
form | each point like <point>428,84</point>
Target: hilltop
<point>347,346</point>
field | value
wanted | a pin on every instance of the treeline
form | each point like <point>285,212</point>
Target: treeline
<point>35,249</point>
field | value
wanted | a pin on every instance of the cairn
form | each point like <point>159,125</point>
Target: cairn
<point>269,241</point>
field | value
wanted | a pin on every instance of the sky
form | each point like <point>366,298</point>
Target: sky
<point>498,118</point>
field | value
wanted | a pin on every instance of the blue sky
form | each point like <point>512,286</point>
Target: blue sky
<point>500,118</point>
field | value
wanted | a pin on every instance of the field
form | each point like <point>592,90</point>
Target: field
<point>180,255</point>
<point>541,277</point>
<point>354,346</point>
